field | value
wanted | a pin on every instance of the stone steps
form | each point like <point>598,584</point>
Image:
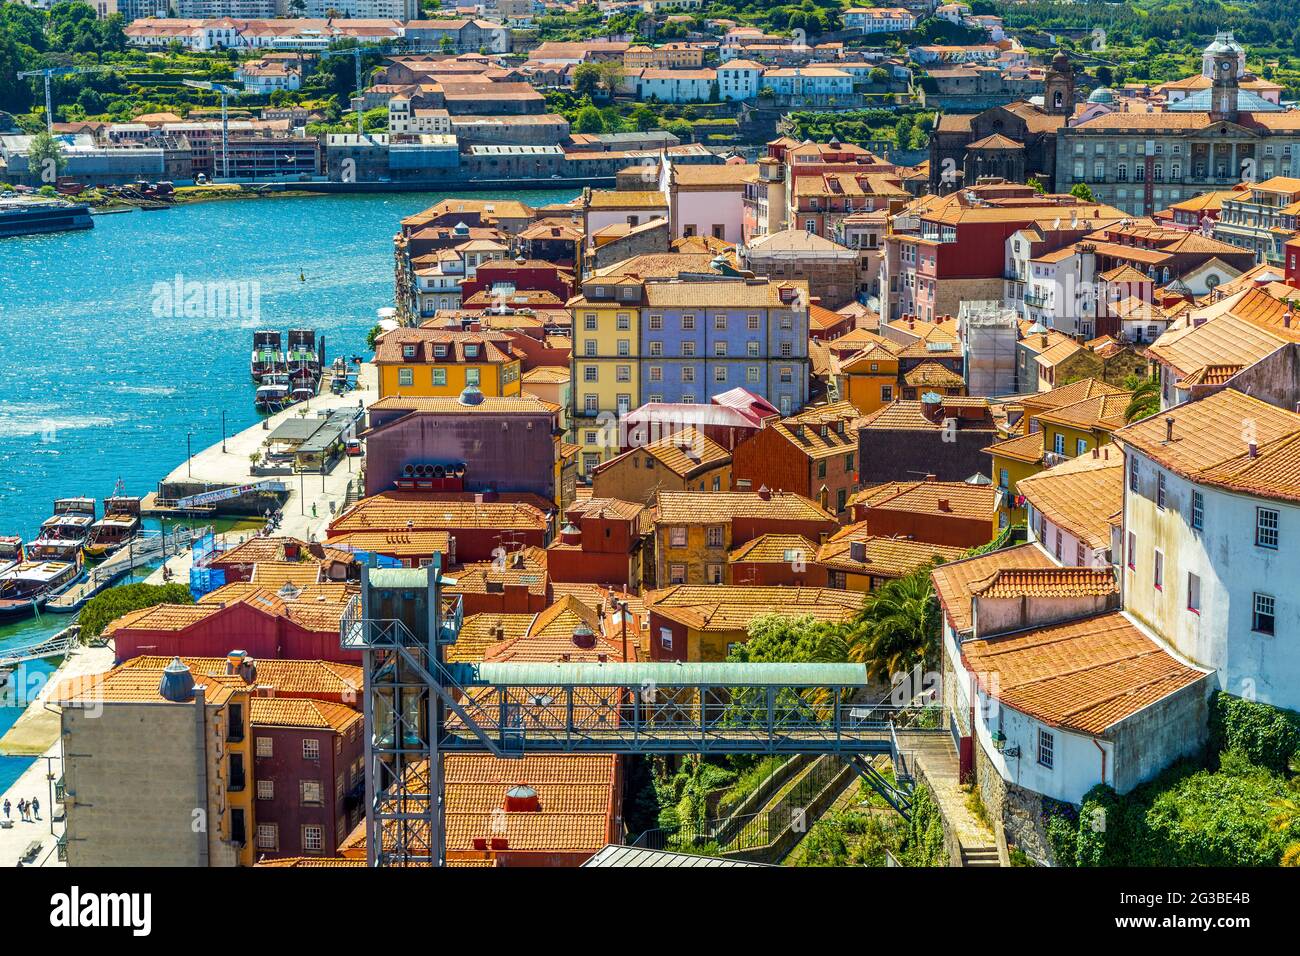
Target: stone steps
<point>980,856</point>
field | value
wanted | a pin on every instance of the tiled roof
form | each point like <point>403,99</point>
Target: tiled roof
<point>722,607</point>
<point>627,199</point>
<point>478,632</point>
<point>1104,411</point>
<point>727,293</point>
<point>300,678</point>
<point>686,453</point>
<point>316,607</point>
<point>1085,675</point>
<point>882,557</point>
<point>815,430</point>
<point>550,637</point>
<point>774,549</point>
<point>1028,447</point>
<point>700,507</point>
<point>910,416</point>
<point>302,712</point>
<point>934,375</point>
<point>1224,340</point>
<point>488,404</point>
<point>493,347</point>
<point>1048,583</point>
<point>1080,494</point>
<point>396,543</point>
<point>955,582</point>
<point>425,511</point>
<point>136,685</point>
<point>956,499</point>
<point>1211,444</point>
<point>1065,395</point>
<point>275,574</point>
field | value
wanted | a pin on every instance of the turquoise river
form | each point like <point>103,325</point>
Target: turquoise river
<point>97,383</point>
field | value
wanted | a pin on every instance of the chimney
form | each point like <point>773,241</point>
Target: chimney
<point>765,492</point>
<point>858,551</point>
<point>584,637</point>
<point>945,504</point>
<point>1096,453</point>
<point>1252,449</point>
<point>1169,428</point>
<point>177,683</point>
<point>522,798</point>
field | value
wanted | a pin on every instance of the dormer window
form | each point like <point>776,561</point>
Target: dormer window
<point>440,351</point>
<point>408,351</point>
<point>471,351</point>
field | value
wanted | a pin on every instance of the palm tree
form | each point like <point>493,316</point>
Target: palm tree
<point>1288,816</point>
<point>1145,400</point>
<point>898,627</point>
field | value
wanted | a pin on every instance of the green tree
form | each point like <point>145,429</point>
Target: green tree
<point>103,609</point>
<point>589,120</point>
<point>898,627</point>
<point>1145,400</point>
<point>45,157</point>
<point>1082,191</point>
<point>586,78</point>
<point>1036,185</point>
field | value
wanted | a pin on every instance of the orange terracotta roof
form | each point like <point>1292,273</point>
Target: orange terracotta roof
<point>302,678</point>
<point>137,685</point>
<point>702,507</point>
<point>1105,412</point>
<point>1028,448</point>
<point>956,499</point>
<point>395,543</point>
<point>955,582</point>
<point>438,511</point>
<point>722,607</point>
<point>1085,675</point>
<point>302,712</point>
<point>934,375</point>
<point>1080,494</point>
<point>881,556</point>
<point>774,549</point>
<point>1048,583</point>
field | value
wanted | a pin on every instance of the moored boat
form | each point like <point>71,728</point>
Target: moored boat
<point>121,523</point>
<point>302,357</point>
<point>63,533</point>
<point>268,354</point>
<point>273,394</point>
<point>11,551</point>
<point>26,587</point>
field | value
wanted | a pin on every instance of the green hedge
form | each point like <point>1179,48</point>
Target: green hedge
<point>105,608</point>
<point>1267,736</point>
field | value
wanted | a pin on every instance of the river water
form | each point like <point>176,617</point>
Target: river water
<point>104,371</point>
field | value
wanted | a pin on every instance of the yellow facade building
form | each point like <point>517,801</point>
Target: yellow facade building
<point>441,363</point>
<point>605,385</point>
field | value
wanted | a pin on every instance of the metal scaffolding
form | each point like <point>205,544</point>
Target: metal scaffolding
<point>419,708</point>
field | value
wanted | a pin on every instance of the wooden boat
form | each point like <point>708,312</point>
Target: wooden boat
<point>268,354</point>
<point>26,587</point>
<point>273,394</point>
<point>11,551</point>
<point>121,523</point>
<point>302,357</point>
<point>63,534</point>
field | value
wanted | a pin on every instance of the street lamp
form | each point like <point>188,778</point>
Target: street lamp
<point>189,455</point>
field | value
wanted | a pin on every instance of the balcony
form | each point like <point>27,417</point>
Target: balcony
<point>1038,300</point>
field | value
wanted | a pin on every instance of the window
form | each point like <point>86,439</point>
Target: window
<point>751,373</point>
<point>713,573</point>
<point>1159,573</point>
<point>623,373</point>
<point>310,793</point>
<point>1198,510</point>
<point>752,349</point>
<point>656,322</point>
<point>268,836</point>
<point>787,349</point>
<point>589,347</point>
<point>408,351</point>
<point>589,322</point>
<point>719,348</point>
<point>688,373</point>
<point>656,373</point>
<point>311,749</point>
<point>624,322</point>
<point>1160,490</point>
<point>720,322</point>
<point>715,536</point>
<point>1081,446</point>
<point>720,373</point>
<point>266,789</point>
<point>677,574</point>
<point>1132,551</point>
<point>265,747</point>
<point>676,537</point>
<point>1263,618</point>
<point>472,377</point>
<point>1193,592</point>
<point>1133,476</point>
<point>1059,538</point>
<point>1003,479</point>
<point>666,633</point>
<point>848,462</point>
<point>624,347</point>
<point>688,323</point>
<point>1046,748</point>
<point>688,349</point>
<point>439,376</point>
<point>786,374</point>
<point>589,373</point>
<point>886,393</point>
<point>590,404</point>
<point>1058,444</point>
<point>313,838</point>
<point>1079,555</point>
<point>405,376</point>
<point>1266,528</point>
<point>752,322</point>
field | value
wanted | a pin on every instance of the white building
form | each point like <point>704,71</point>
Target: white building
<point>739,79</point>
<point>1211,548</point>
<point>879,19</point>
<point>676,86</point>
<point>267,76</point>
<point>809,81</point>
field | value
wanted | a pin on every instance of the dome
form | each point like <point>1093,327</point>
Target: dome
<point>471,396</point>
<point>1103,95</point>
<point>1224,42</point>
<point>177,683</point>
<point>1061,62</point>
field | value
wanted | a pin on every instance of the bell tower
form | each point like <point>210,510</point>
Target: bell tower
<point>1223,87</point>
<point>1058,86</point>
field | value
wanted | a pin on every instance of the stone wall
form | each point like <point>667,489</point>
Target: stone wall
<point>1017,813</point>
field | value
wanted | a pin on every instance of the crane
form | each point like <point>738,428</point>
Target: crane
<point>53,71</point>
<point>226,92</point>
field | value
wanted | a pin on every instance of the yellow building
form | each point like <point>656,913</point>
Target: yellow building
<point>870,378</point>
<point>670,56</point>
<point>442,363</point>
<point>605,377</point>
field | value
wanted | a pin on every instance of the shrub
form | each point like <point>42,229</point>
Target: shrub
<point>1267,736</point>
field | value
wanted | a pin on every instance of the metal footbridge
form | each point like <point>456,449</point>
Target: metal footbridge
<point>419,709</point>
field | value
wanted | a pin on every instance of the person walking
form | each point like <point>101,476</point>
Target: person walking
<point>7,807</point>
<point>22,811</point>
<point>36,808</point>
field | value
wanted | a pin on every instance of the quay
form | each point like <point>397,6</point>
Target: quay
<point>137,552</point>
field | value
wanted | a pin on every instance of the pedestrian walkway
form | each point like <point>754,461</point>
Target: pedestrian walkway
<point>939,766</point>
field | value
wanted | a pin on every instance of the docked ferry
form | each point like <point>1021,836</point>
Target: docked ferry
<point>27,216</point>
<point>11,552</point>
<point>268,354</point>
<point>274,393</point>
<point>302,358</point>
<point>26,586</point>
<point>63,534</point>
<point>121,523</point>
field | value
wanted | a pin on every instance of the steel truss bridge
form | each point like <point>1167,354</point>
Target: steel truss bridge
<point>418,709</point>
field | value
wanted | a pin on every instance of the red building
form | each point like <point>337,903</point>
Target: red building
<point>519,275</point>
<point>602,542</point>
<point>309,774</point>
<point>285,623</point>
<point>954,513</point>
<point>813,453</point>
<point>514,582</point>
<point>773,560</point>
